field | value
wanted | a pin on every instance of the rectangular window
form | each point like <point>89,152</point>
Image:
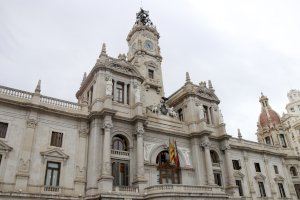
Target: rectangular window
<point>282,140</point>
<point>120,92</point>
<point>240,187</point>
<point>268,140</point>
<point>180,114</point>
<point>151,73</point>
<point>120,172</point>
<point>3,129</point>
<point>257,167</point>
<point>52,174</point>
<point>206,114</point>
<point>262,189</point>
<point>236,165</point>
<point>281,190</point>
<point>56,139</point>
<point>217,177</point>
<point>128,94</point>
<point>276,169</point>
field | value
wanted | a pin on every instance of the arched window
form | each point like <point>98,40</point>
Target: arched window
<point>168,174</point>
<point>119,143</point>
<point>214,157</point>
<point>293,171</point>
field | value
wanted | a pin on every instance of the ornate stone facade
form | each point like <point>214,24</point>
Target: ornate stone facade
<point>113,143</point>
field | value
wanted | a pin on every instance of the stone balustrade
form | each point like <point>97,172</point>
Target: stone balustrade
<point>51,189</point>
<point>15,93</point>
<point>126,189</point>
<point>177,188</point>
<point>115,152</point>
<point>60,103</point>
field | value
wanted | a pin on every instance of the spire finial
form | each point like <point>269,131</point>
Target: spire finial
<point>38,88</point>
<point>84,77</point>
<point>210,85</point>
<point>239,134</point>
<point>103,50</point>
<point>187,77</point>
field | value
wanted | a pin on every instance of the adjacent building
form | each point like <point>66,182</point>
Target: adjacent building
<point>114,142</point>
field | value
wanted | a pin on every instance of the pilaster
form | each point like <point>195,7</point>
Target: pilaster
<point>208,164</point>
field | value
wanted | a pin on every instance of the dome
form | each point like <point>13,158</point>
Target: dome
<point>264,120</point>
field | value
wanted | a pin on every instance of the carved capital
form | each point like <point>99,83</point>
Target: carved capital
<point>31,123</point>
<point>225,147</point>
<point>107,125</point>
<point>206,144</point>
<point>140,130</point>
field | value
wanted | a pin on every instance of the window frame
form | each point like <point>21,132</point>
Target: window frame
<point>240,187</point>
<point>120,90</point>
<point>234,162</point>
<point>276,169</point>
<point>257,167</point>
<point>52,170</point>
<point>262,189</point>
<point>5,129</point>
<point>58,141</point>
<point>281,190</point>
<point>151,73</point>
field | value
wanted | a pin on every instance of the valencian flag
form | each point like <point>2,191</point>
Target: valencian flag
<point>173,152</point>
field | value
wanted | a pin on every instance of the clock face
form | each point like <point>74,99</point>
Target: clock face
<point>148,45</point>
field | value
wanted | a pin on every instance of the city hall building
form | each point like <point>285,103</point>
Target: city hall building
<point>114,142</point>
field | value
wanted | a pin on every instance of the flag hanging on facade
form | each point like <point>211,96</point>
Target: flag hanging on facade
<point>172,153</point>
<point>176,155</point>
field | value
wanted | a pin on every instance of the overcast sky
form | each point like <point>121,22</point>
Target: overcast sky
<point>244,47</point>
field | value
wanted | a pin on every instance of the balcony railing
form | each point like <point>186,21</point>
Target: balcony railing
<point>118,153</point>
<point>126,189</point>
<point>15,93</point>
<point>216,164</point>
<point>51,189</point>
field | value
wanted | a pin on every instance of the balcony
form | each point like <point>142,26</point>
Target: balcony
<point>168,190</point>
<point>125,189</point>
<point>119,154</point>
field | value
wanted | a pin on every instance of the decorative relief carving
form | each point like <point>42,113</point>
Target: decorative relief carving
<point>83,133</point>
<point>186,155</point>
<point>31,123</point>
<point>148,146</point>
<point>23,167</point>
<point>137,91</point>
<point>109,86</point>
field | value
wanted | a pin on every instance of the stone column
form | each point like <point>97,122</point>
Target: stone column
<point>140,176</point>
<point>196,159</point>
<point>22,175</point>
<point>80,178</point>
<point>249,175</point>
<point>289,180</point>
<point>93,157</point>
<point>208,164</point>
<point>106,178</point>
<point>270,179</point>
<point>231,186</point>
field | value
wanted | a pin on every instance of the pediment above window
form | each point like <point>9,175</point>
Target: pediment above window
<point>259,177</point>
<point>278,178</point>
<point>54,154</point>
<point>4,148</point>
<point>238,174</point>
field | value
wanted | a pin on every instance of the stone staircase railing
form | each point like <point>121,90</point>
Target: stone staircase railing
<point>15,93</point>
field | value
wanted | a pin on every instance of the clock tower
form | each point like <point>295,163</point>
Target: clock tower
<point>144,54</point>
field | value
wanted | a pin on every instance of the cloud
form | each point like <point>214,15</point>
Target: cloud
<point>244,47</point>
